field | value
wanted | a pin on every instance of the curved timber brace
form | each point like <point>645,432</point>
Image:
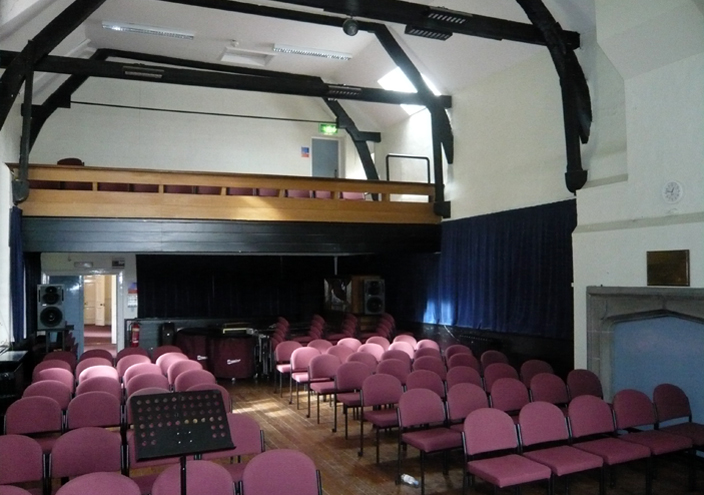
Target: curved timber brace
<point>576,103</point>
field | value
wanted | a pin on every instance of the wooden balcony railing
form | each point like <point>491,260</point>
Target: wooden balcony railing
<point>78,191</point>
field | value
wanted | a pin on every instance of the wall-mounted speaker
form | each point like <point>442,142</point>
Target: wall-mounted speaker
<point>50,307</point>
<point>374,296</point>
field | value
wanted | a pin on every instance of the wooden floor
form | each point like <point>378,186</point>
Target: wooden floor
<point>343,472</point>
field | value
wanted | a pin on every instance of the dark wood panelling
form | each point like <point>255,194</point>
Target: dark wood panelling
<point>178,236</point>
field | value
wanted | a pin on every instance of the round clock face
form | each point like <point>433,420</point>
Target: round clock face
<point>672,191</point>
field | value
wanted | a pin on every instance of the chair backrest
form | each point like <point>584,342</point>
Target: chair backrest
<point>463,359</point>
<point>159,351</point>
<point>350,342</point>
<point>50,388</point>
<point>463,398</point>
<point>29,415</point>
<point>395,367</point>
<point>532,367</point>
<point>129,351</point>
<point>100,384</point>
<point>492,356</point>
<point>58,374</point>
<point>397,354</point>
<point>457,349</point>
<point>509,394</point>
<point>67,356</point>
<point>146,381</point>
<point>50,363</point>
<point>226,399</point>
<point>542,422</point>
<point>102,483</point>
<point>181,366</point>
<point>187,379</point>
<point>379,340</point>
<point>167,359</point>
<point>323,366</point>
<point>280,471</point>
<point>91,353</point>
<point>489,430</point>
<point>100,370</point>
<point>381,389</point>
<point>374,349</point>
<point>427,352</point>
<point>418,407</point>
<point>409,339</point>
<point>126,361</point>
<point>434,364</point>
<point>138,393</point>
<point>100,409</point>
<point>283,351</point>
<point>547,387</point>
<point>321,344</point>
<point>401,345</point>
<point>584,382</point>
<point>425,379</point>
<point>632,408</point>
<point>463,374</point>
<point>341,351</point>
<point>141,369</point>
<point>350,376</point>
<point>86,450</point>
<point>498,370</point>
<point>671,402</point>
<point>22,459</point>
<point>589,415</point>
<point>246,434</point>
<point>427,344</point>
<point>203,478</point>
<point>363,357</point>
<point>301,358</point>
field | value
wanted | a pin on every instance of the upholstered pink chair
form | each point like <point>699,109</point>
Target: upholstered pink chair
<point>584,382</point>
<point>509,395</point>
<point>397,354</point>
<point>282,357</point>
<point>281,471</point>
<point>462,399</point>
<point>86,450</point>
<point>348,382</point>
<point>50,388</point>
<point>374,349</point>
<point>102,483</point>
<point>498,370</point>
<point>404,346</point>
<point>671,403</point>
<point>363,357</point>
<point>426,379</point>
<point>202,478</point>
<point>39,417</point>
<point>57,374</point>
<point>321,379</point>
<point>100,409</point>
<point>91,361</point>
<point>430,363</point>
<point>463,374</point>
<point>50,363</point>
<point>350,342</point>
<point>91,353</point>
<point>379,340</point>
<point>463,359</point>
<point>532,367</point>
<point>492,356</point>
<point>248,439</point>
<point>456,349</point>
<point>22,459</point>
<point>341,351</point>
<point>101,384</point>
<point>427,352</point>
<point>300,360</point>
<point>547,387</point>
<point>394,367</point>
<point>427,344</point>
<point>378,390</point>
<point>187,379</point>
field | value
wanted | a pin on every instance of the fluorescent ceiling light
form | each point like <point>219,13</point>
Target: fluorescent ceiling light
<point>313,52</point>
<point>144,29</point>
<point>396,80</point>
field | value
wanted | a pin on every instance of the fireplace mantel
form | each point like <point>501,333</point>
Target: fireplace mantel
<point>607,306</point>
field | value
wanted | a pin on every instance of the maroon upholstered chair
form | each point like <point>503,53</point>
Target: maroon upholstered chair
<point>140,369</point>
<point>125,362</point>
<point>163,349</point>
<point>187,379</point>
<point>671,403</point>
<point>584,382</point>
<point>398,354</point>
<point>91,353</point>
<point>492,356</point>
<point>321,344</point>
<point>463,359</point>
<point>148,380</point>
<point>203,478</point>
<point>22,459</point>
<point>427,344</point>
<point>363,357</point>
<point>57,374</point>
<point>395,367</point>
<point>457,349</point>
<point>379,340</point>
<point>300,359</point>
<point>409,339</point>
<point>321,378</point>
<point>377,391</point>
<point>592,425</point>
<point>509,395</point>
<point>9,489</point>
<point>427,352</point>
<point>38,417</point>
<point>146,480</point>
<point>129,351</point>
<point>281,471</point>
<point>167,359</point>
<point>67,356</point>
<point>546,387</point>
<point>462,399</point>
<point>400,345</point>
<point>374,349</point>
<point>498,370</point>
<point>491,431</point>
<point>102,483</point>
<point>421,423</point>
<point>99,409</point>
<point>50,388</point>
<point>181,366</point>
<point>341,351</point>
<point>100,370</point>
<point>463,374</point>
<point>532,367</point>
<point>248,439</point>
<point>226,399</point>
<point>350,342</point>
<point>101,384</point>
<point>348,382</point>
<point>50,363</point>
<point>86,450</point>
<point>426,379</point>
<point>544,437</point>
<point>430,363</point>
<point>282,357</point>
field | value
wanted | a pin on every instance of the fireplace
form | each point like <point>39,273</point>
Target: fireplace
<point>608,306</point>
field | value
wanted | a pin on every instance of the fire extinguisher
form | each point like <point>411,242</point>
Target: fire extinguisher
<point>134,334</point>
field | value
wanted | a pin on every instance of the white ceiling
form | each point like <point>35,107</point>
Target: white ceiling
<point>452,65</point>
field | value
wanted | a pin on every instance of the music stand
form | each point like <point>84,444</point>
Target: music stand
<point>182,424</point>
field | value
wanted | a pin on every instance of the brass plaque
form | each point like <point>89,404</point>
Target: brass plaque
<point>668,268</point>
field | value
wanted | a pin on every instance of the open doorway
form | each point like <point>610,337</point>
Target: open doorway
<point>100,311</point>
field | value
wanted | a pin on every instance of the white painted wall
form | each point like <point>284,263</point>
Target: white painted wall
<point>658,53</point>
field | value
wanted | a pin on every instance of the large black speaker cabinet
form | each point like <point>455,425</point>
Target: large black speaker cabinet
<point>50,307</point>
<point>368,295</point>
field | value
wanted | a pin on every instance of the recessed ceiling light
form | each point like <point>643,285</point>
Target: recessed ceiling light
<point>313,52</point>
<point>238,56</point>
<point>144,29</point>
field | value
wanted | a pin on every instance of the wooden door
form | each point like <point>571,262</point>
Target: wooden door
<point>89,297</point>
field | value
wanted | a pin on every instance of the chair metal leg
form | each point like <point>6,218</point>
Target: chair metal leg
<point>648,476</point>
<point>290,388</point>
<point>317,406</point>
<point>308,414</point>
<point>422,473</point>
<point>334,424</point>
<point>692,458</point>
<point>602,480</point>
<point>361,434</point>
<point>377,445</point>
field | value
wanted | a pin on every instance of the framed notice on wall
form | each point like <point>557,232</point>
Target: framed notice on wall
<point>670,268</point>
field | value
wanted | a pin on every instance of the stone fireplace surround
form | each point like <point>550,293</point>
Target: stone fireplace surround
<point>607,306</point>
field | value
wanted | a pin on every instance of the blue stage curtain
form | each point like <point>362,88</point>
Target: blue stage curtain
<point>16,274</point>
<point>509,272</point>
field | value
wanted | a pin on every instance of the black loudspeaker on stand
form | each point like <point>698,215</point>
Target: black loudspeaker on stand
<point>368,295</point>
<point>50,311</point>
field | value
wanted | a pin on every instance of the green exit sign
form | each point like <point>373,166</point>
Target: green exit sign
<point>327,129</point>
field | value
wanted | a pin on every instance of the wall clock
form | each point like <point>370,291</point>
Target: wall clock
<point>672,192</point>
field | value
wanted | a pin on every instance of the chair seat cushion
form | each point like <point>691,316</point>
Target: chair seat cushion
<point>382,418</point>
<point>693,431</point>
<point>300,376</point>
<point>350,399</point>
<point>283,368</point>
<point>323,388</point>
<point>614,450</point>
<point>659,442</point>
<point>508,470</point>
<point>235,469</point>
<point>433,439</point>
<point>564,459</point>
